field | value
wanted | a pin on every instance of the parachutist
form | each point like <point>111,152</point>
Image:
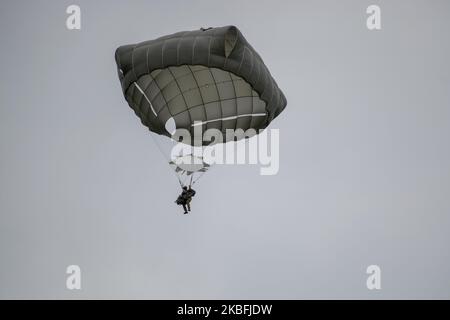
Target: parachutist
<point>185,198</point>
<point>215,81</point>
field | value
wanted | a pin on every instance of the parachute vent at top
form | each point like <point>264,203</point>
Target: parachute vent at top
<point>209,77</point>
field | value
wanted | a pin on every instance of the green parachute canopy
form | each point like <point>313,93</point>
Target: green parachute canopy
<point>209,77</point>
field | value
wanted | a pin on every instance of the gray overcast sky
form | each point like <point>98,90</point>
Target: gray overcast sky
<point>364,175</point>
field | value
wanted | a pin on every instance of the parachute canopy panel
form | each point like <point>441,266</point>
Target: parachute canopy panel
<point>210,77</point>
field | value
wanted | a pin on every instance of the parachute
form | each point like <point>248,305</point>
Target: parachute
<point>211,78</point>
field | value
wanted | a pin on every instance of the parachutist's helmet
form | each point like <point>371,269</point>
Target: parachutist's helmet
<point>184,188</point>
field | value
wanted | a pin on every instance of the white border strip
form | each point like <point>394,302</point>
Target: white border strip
<point>230,118</point>
<point>146,98</point>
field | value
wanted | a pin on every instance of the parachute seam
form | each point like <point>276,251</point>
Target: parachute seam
<point>242,60</point>
<point>132,62</point>
<point>239,69</point>
<point>209,49</point>
<point>220,100</point>
<point>226,56</point>
<point>235,100</point>
<point>251,60</point>
<point>259,74</point>
<point>178,50</point>
<point>146,88</point>
<point>193,50</point>
<point>184,99</point>
<point>201,96</point>
<point>146,54</point>
<point>162,52</point>
<point>251,119</point>
<point>160,92</point>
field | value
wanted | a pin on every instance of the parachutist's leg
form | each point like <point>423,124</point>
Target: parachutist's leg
<point>188,203</point>
<point>184,207</point>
